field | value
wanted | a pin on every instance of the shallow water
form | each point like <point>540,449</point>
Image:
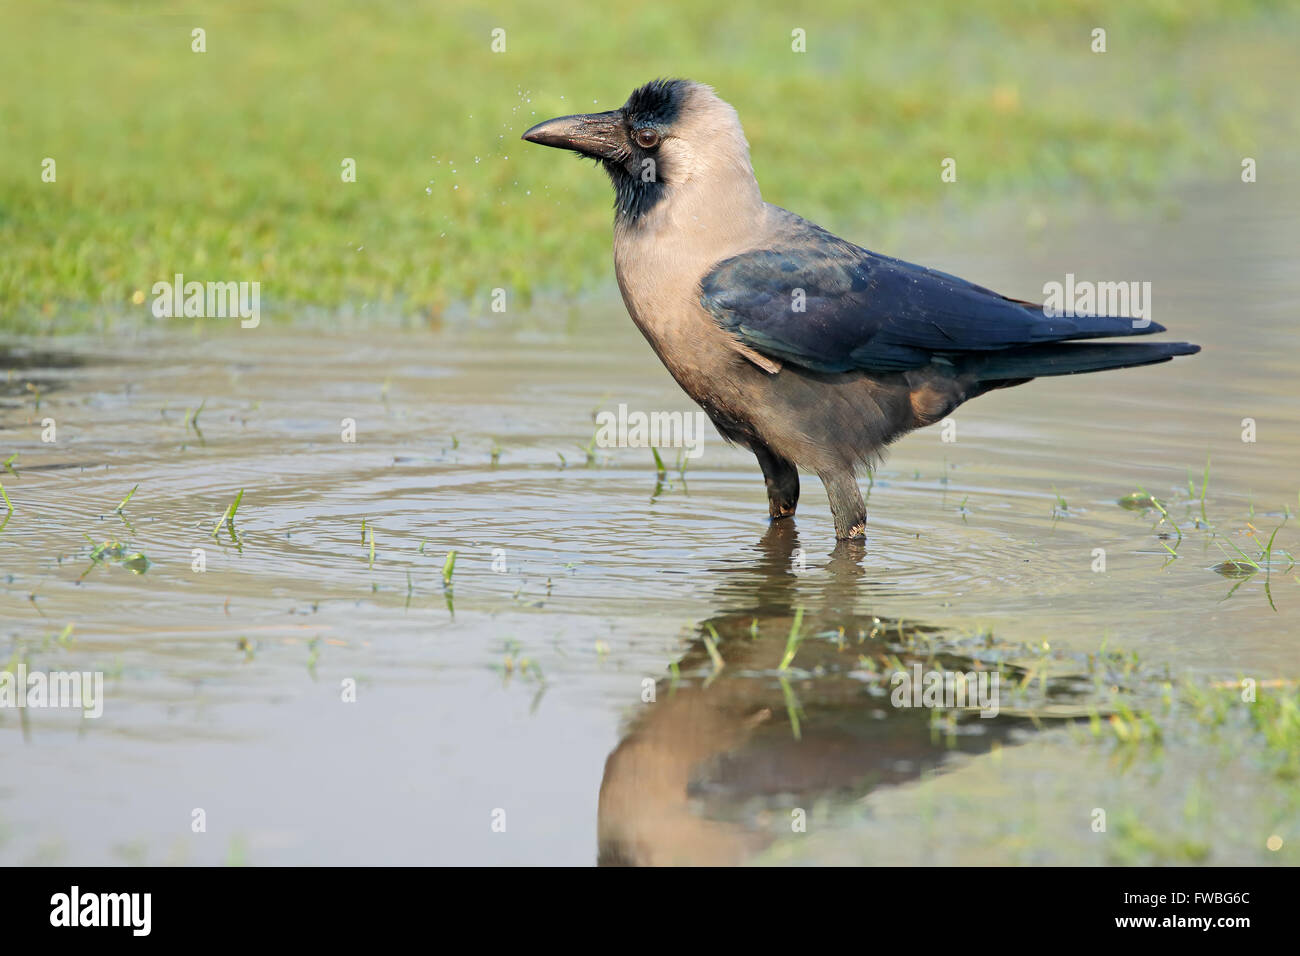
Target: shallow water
<point>509,689</point>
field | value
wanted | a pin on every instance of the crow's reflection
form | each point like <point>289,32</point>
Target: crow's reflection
<point>711,770</point>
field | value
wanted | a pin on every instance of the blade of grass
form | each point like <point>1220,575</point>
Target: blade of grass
<point>9,506</point>
<point>792,707</point>
<point>228,518</point>
<point>792,642</point>
<point>711,645</point>
<point>1205,483</point>
<point>122,503</point>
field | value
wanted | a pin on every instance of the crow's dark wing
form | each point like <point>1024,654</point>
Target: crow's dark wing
<point>819,302</point>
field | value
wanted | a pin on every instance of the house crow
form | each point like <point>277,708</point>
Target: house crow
<point>808,350</point>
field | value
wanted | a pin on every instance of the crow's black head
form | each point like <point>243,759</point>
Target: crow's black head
<point>656,105</point>
<point>633,143</point>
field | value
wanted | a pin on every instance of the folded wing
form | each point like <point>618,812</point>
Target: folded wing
<point>819,302</point>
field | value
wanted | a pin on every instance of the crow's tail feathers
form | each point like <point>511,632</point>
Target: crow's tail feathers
<point>1065,359</point>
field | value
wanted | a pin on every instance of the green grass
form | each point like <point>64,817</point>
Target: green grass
<point>792,641</point>
<point>1238,563</point>
<point>129,495</point>
<point>228,518</point>
<point>226,165</point>
<point>1190,770</point>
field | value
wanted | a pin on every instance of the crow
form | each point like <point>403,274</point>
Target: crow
<point>808,350</point>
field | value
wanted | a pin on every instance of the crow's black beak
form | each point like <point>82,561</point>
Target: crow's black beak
<point>599,135</point>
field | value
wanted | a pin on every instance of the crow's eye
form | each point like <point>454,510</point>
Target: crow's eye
<point>646,138</point>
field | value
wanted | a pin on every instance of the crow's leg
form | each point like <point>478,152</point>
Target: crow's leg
<point>847,507</point>
<point>782,483</point>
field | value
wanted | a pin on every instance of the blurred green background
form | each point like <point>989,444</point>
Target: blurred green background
<point>225,165</point>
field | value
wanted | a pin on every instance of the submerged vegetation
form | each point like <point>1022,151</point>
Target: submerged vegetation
<point>805,668</point>
<point>1133,727</point>
<point>1238,562</point>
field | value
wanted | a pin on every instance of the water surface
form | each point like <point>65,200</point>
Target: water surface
<point>581,587</point>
